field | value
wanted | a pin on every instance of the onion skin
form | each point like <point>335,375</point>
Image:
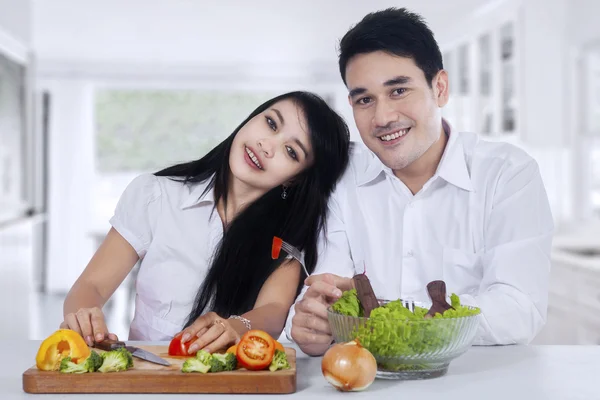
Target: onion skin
<point>349,367</point>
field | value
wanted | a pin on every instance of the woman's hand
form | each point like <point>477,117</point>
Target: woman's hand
<point>210,332</point>
<point>89,323</point>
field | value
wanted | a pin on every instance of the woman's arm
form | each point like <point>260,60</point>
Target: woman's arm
<point>107,269</point>
<point>269,313</point>
<point>275,299</point>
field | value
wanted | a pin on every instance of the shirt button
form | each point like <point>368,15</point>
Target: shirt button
<point>409,253</point>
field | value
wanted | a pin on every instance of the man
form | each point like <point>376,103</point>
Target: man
<point>423,202</point>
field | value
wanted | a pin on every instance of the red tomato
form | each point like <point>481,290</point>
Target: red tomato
<point>255,350</point>
<point>176,348</point>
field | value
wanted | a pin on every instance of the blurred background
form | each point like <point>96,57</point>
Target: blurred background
<point>93,93</point>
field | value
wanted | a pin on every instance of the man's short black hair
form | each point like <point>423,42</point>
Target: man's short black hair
<point>398,32</point>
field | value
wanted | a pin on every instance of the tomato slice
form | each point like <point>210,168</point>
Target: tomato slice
<point>255,350</point>
<point>176,348</point>
<point>233,348</point>
<point>276,248</point>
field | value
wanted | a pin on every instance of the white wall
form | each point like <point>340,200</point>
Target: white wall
<point>70,180</point>
<point>544,61</point>
<point>15,19</point>
<point>188,32</point>
<point>583,21</point>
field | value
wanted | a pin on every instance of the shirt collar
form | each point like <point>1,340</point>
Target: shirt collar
<point>453,165</point>
<point>366,172</point>
<point>452,168</point>
<point>194,194</point>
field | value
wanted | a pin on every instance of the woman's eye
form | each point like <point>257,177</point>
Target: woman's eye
<point>272,124</point>
<point>291,152</point>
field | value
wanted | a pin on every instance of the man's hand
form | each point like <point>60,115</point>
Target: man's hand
<point>310,326</point>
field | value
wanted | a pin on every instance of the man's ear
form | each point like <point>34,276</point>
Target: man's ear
<point>441,88</point>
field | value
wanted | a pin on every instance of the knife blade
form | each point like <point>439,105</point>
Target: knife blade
<point>109,344</point>
<point>146,355</point>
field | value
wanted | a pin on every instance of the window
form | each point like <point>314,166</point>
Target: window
<point>486,104</point>
<point>463,69</point>
<point>594,124</point>
<point>508,78</point>
<point>144,130</point>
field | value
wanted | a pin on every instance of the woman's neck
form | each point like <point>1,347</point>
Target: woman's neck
<point>239,195</point>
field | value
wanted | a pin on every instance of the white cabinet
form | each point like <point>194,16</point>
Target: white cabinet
<point>483,66</point>
<point>573,298</point>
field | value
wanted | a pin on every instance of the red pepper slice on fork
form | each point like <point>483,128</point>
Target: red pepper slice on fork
<point>276,248</point>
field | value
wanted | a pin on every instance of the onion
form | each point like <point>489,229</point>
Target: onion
<point>349,367</point>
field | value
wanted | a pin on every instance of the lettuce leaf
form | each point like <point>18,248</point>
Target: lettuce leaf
<point>348,304</point>
<point>394,331</point>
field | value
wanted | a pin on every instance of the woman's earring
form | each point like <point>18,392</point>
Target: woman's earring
<point>284,193</point>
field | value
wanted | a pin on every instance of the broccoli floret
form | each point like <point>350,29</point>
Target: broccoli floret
<point>223,362</point>
<point>93,362</point>
<point>201,363</point>
<point>69,367</point>
<point>116,360</point>
<point>279,361</point>
<point>204,357</point>
<point>90,364</point>
<point>195,365</point>
<point>128,355</point>
<point>216,365</point>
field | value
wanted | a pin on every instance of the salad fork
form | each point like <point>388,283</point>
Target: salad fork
<point>409,304</point>
<point>279,244</point>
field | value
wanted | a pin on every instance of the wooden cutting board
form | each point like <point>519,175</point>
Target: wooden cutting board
<point>146,377</point>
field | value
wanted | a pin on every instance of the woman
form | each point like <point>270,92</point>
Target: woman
<point>210,273</point>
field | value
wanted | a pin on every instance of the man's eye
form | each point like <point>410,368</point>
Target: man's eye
<point>399,91</point>
<point>363,100</point>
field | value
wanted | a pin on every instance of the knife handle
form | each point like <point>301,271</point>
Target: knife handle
<point>109,344</point>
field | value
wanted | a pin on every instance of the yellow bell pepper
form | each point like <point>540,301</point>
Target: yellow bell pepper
<point>62,343</point>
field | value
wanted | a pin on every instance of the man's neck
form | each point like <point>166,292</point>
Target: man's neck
<point>421,170</point>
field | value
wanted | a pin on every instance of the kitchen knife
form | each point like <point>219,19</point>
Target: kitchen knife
<point>108,344</point>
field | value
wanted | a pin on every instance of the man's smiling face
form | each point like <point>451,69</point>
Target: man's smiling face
<point>396,111</point>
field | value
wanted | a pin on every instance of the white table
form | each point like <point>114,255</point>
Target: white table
<point>483,373</point>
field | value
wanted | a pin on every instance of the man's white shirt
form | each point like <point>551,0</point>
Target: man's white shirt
<point>482,224</point>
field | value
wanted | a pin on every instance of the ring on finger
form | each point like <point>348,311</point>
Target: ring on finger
<point>218,321</point>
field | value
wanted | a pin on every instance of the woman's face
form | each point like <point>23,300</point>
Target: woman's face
<point>272,148</point>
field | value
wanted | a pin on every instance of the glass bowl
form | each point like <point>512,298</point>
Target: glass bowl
<point>406,348</point>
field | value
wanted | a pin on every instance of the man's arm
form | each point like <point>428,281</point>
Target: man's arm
<point>513,295</point>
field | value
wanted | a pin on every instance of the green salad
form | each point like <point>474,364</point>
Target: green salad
<point>392,330</point>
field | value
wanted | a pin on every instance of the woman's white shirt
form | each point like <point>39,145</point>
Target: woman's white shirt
<point>175,229</point>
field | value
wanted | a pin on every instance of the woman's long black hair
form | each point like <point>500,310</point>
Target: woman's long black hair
<point>242,262</point>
